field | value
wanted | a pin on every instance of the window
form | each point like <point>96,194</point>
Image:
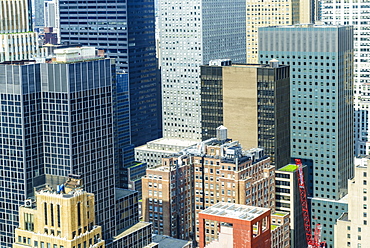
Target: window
<point>79,213</point>
<point>52,214</point>
<point>46,213</point>
<point>58,214</point>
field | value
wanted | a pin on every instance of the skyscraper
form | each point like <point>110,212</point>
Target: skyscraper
<point>125,30</point>
<point>273,13</point>
<point>38,6</point>
<point>321,62</point>
<point>57,119</point>
<point>18,42</point>
<point>355,13</point>
<point>191,34</point>
<point>252,101</point>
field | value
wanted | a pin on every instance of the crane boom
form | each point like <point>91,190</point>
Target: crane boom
<point>312,242</point>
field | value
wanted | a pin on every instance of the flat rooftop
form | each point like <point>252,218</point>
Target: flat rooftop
<point>289,168</point>
<point>235,211</point>
<point>120,193</point>
<point>167,141</point>
<point>169,242</point>
<point>131,230</point>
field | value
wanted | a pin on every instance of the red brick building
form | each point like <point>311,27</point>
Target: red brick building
<point>250,226</point>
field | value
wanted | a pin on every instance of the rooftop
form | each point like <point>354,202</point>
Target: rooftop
<point>177,142</point>
<point>306,25</point>
<point>169,242</point>
<point>120,193</point>
<point>289,168</point>
<point>134,228</point>
<point>235,211</point>
<point>280,213</point>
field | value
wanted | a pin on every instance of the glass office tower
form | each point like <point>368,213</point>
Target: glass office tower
<point>321,68</point>
<point>125,30</point>
<point>56,118</point>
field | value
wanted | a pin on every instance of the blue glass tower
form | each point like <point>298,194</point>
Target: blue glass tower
<point>56,119</point>
<point>125,30</point>
<point>321,63</point>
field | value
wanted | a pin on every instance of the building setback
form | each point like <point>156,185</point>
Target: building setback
<point>63,219</point>
<point>321,70</point>
<point>125,31</point>
<point>252,101</point>
<point>200,176</point>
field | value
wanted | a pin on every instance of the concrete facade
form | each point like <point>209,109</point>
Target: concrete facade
<point>153,151</point>
<point>352,228</point>
<point>273,13</point>
<point>355,13</point>
<point>191,34</point>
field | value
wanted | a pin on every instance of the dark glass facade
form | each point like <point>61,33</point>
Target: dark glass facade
<point>272,107</point>
<point>56,119</point>
<point>125,30</point>
<point>211,100</point>
<point>273,113</point>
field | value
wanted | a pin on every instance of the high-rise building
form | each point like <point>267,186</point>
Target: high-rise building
<point>191,34</point>
<point>273,13</point>
<point>352,227</point>
<point>252,101</point>
<point>38,20</point>
<point>321,71</point>
<point>200,176</point>
<point>51,17</point>
<point>125,30</point>
<point>57,119</point>
<point>18,42</point>
<point>59,218</point>
<point>355,13</point>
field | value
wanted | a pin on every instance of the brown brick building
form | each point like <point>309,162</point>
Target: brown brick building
<point>216,170</point>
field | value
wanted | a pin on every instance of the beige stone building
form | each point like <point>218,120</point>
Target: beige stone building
<point>273,13</point>
<point>59,219</point>
<point>353,227</point>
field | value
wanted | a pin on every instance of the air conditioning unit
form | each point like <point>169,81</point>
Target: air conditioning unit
<point>28,203</point>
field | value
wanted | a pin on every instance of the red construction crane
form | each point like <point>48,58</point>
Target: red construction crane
<point>312,242</point>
